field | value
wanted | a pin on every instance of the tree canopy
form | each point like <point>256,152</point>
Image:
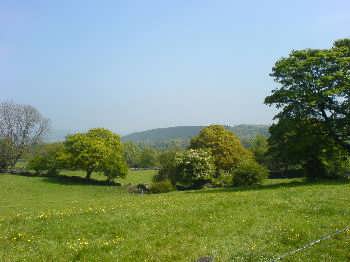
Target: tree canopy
<point>225,147</point>
<point>21,126</point>
<point>315,84</point>
<point>98,150</point>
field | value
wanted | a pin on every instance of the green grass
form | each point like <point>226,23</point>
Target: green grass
<point>49,219</point>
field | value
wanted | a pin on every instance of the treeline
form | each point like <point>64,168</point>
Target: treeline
<point>310,136</point>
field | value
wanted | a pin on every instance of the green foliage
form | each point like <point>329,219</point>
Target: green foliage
<point>248,173</point>
<point>163,186</point>
<point>225,147</point>
<point>168,168</point>
<point>194,166</point>
<point>131,154</point>
<point>303,143</point>
<point>6,153</point>
<point>47,158</point>
<point>98,150</point>
<point>178,138</point>
<point>315,86</point>
<point>148,158</point>
<point>140,156</point>
<point>259,148</point>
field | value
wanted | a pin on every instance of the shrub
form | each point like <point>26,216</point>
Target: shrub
<point>248,173</point>
<point>168,169</point>
<point>47,159</point>
<point>224,179</point>
<point>161,187</point>
<point>194,166</point>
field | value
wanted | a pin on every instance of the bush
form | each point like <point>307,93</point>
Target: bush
<point>248,173</point>
<point>330,167</point>
<point>161,187</point>
<point>194,166</point>
<point>168,168</point>
<point>47,159</point>
<point>224,179</point>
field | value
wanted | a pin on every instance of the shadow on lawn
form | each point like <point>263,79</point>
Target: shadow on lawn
<point>293,184</point>
<point>62,179</point>
<point>76,180</point>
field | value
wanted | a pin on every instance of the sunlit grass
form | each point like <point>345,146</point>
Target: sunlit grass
<point>42,219</point>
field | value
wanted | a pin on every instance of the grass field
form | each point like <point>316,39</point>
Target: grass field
<point>51,219</point>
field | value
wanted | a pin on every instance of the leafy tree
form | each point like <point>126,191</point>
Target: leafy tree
<point>47,158</point>
<point>148,157</point>
<point>98,150</point>
<point>21,126</point>
<point>315,84</point>
<point>194,166</point>
<point>168,169</point>
<point>259,147</point>
<point>225,147</point>
<point>132,153</point>
<point>303,143</point>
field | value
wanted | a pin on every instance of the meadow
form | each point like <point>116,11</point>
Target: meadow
<point>56,219</point>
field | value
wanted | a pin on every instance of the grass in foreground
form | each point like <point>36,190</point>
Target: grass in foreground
<point>43,219</point>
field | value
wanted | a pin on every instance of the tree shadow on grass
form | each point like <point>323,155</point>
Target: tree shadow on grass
<point>62,179</point>
<point>76,180</point>
<point>274,186</point>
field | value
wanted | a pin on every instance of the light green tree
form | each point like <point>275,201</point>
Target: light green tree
<point>225,147</point>
<point>98,150</point>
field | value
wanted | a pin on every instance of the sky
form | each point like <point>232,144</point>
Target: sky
<point>136,65</point>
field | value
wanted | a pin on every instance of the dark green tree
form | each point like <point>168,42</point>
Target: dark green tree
<point>302,143</point>
<point>315,84</point>
<point>259,147</point>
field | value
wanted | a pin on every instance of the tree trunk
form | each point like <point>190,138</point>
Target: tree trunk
<point>88,174</point>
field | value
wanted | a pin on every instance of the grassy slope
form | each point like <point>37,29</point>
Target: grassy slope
<point>45,219</point>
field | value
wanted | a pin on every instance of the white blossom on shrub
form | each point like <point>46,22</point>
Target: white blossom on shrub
<point>195,164</point>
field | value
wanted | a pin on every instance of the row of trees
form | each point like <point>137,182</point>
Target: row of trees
<point>311,133</point>
<point>215,157</point>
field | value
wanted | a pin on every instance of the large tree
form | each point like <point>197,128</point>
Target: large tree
<point>315,84</point>
<point>21,126</point>
<point>225,147</point>
<point>98,150</point>
<point>302,144</point>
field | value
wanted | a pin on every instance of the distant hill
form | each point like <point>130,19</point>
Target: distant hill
<point>181,135</point>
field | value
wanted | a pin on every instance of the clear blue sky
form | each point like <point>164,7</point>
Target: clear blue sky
<point>135,65</point>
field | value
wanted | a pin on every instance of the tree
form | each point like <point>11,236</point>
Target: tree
<point>5,153</point>
<point>225,147</point>
<point>21,126</point>
<point>98,150</point>
<point>148,157</point>
<point>302,143</point>
<point>259,147</point>
<point>47,157</point>
<point>132,154</point>
<point>168,169</point>
<point>194,166</point>
<point>315,84</point>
